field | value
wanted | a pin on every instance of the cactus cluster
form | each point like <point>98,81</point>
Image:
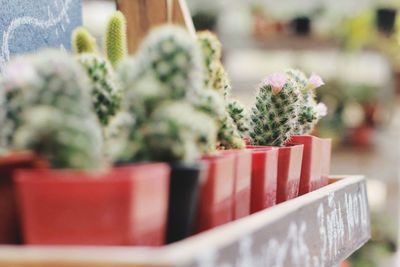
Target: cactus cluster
<point>216,79</point>
<point>48,106</point>
<point>160,85</point>
<point>105,90</point>
<point>238,113</point>
<point>285,106</point>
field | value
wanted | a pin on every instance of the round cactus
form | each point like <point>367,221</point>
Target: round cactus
<point>238,113</point>
<point>275,112</point>
<point>115,39</point>
<point>105,94</point>
<point>174,57</point>
<point>83,41</point>
<point>57,84</point>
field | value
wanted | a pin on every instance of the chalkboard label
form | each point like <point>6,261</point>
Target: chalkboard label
<point>27,25</point>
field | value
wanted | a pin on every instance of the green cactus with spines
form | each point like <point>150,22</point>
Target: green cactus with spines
<point>115,39</point>
<point>53,85</point>
<point>212,50</point>
<point>308,114</point>
<point>238,113</point>
<point>174,58</point>
<point>228,134</point>
<point>106,95</point>
<point>275,112</point>
<point>83,41</point>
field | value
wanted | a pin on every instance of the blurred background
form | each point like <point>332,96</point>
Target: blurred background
<point>355,46</point>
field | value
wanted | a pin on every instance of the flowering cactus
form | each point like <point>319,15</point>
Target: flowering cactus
<point>275,113</point>
<point>238,113</point>
<point>83,41</point>
<point>51,85</point>
<point>105,93</point>
<point>115,39</point>
<point>309,111</point>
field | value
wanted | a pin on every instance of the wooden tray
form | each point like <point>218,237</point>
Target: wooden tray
<point>319,229</point>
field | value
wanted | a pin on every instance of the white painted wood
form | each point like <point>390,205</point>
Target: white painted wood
<point>319,229</point>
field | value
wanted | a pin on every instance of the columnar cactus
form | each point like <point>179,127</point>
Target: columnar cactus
<point>83,41</point>
<point>54,82</point>
<point>115,39</point>
<point>238,113</point>
<point>105,93</point>
<point>212,50</point>
<point>275,113</point>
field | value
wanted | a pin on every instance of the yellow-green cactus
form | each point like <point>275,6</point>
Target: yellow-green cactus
<point>83,41</point>
<point>115,39</point>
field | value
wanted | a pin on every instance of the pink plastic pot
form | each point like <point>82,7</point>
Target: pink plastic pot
<point>316,162</point>
<point>242,183</point>
<point>263,177</point>
<point>216,193</point>
<point>124,206</point>
<point>9,223</point>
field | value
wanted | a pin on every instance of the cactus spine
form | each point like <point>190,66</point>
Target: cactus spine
<point>115,39</point>
<point>275,112</point>
<point>83,41</point>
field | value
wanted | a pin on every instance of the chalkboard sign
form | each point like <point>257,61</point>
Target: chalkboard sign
<point>27,25</point>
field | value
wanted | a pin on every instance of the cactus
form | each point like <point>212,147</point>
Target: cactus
<point>55,82</point>
<point>228,134</point>
<point>83,41</point>
<point>309,109</point>
<point>275,112</point>
<point>105,94</point>
<point>238,113</point>
<point>212,50</point>
<point>174,58</point>
<point>115,39</point>
<point>64,140</point>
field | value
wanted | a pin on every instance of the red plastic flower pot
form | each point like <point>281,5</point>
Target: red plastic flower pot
<point>216,193</point>
<point>9,223</point>
<point>289,172</point>
<point>123,206</point>
<point>316,162</point>
<point>242,183</point>
<point>264,173</point>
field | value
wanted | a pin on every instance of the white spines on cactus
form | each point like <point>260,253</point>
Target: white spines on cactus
<point>212,49</point>
<point>275,112</point>
<point>239,115</point>
<point>228,134</point>
<point>106,95</point>
<point>175,59</point>
<point>51,80</point>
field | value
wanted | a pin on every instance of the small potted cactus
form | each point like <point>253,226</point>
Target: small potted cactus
<point>230,139</point>
<point>50,113</point>
<point>316,154</point>
<point>273,118</point>
<point>168,122</point>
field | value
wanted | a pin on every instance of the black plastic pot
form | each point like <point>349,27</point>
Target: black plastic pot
<point>183,200</point>
<point>385,19</point>
<point>301,25</point>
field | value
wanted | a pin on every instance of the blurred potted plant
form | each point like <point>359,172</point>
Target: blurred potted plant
<point>53,117</point>
<point>162,119</point>
<point>385,19</point>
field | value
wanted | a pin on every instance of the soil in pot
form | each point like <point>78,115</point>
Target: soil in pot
<point>184,191</point>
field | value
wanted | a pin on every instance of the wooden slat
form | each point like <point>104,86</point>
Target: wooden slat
<point>142,15</point>
<point>319,229</point>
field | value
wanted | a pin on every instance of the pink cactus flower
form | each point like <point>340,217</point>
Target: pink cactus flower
<point>315,81</point>
<point>322,110</point>
<point>277,82</point>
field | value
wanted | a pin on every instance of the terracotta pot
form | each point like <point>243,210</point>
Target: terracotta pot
<point>264,175</point>
<point>123,206</point>
<point>9,223</point>
<point>184,192</point>
<point>242,183</point>
<point>316,162</point>
<point>216,195</point>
